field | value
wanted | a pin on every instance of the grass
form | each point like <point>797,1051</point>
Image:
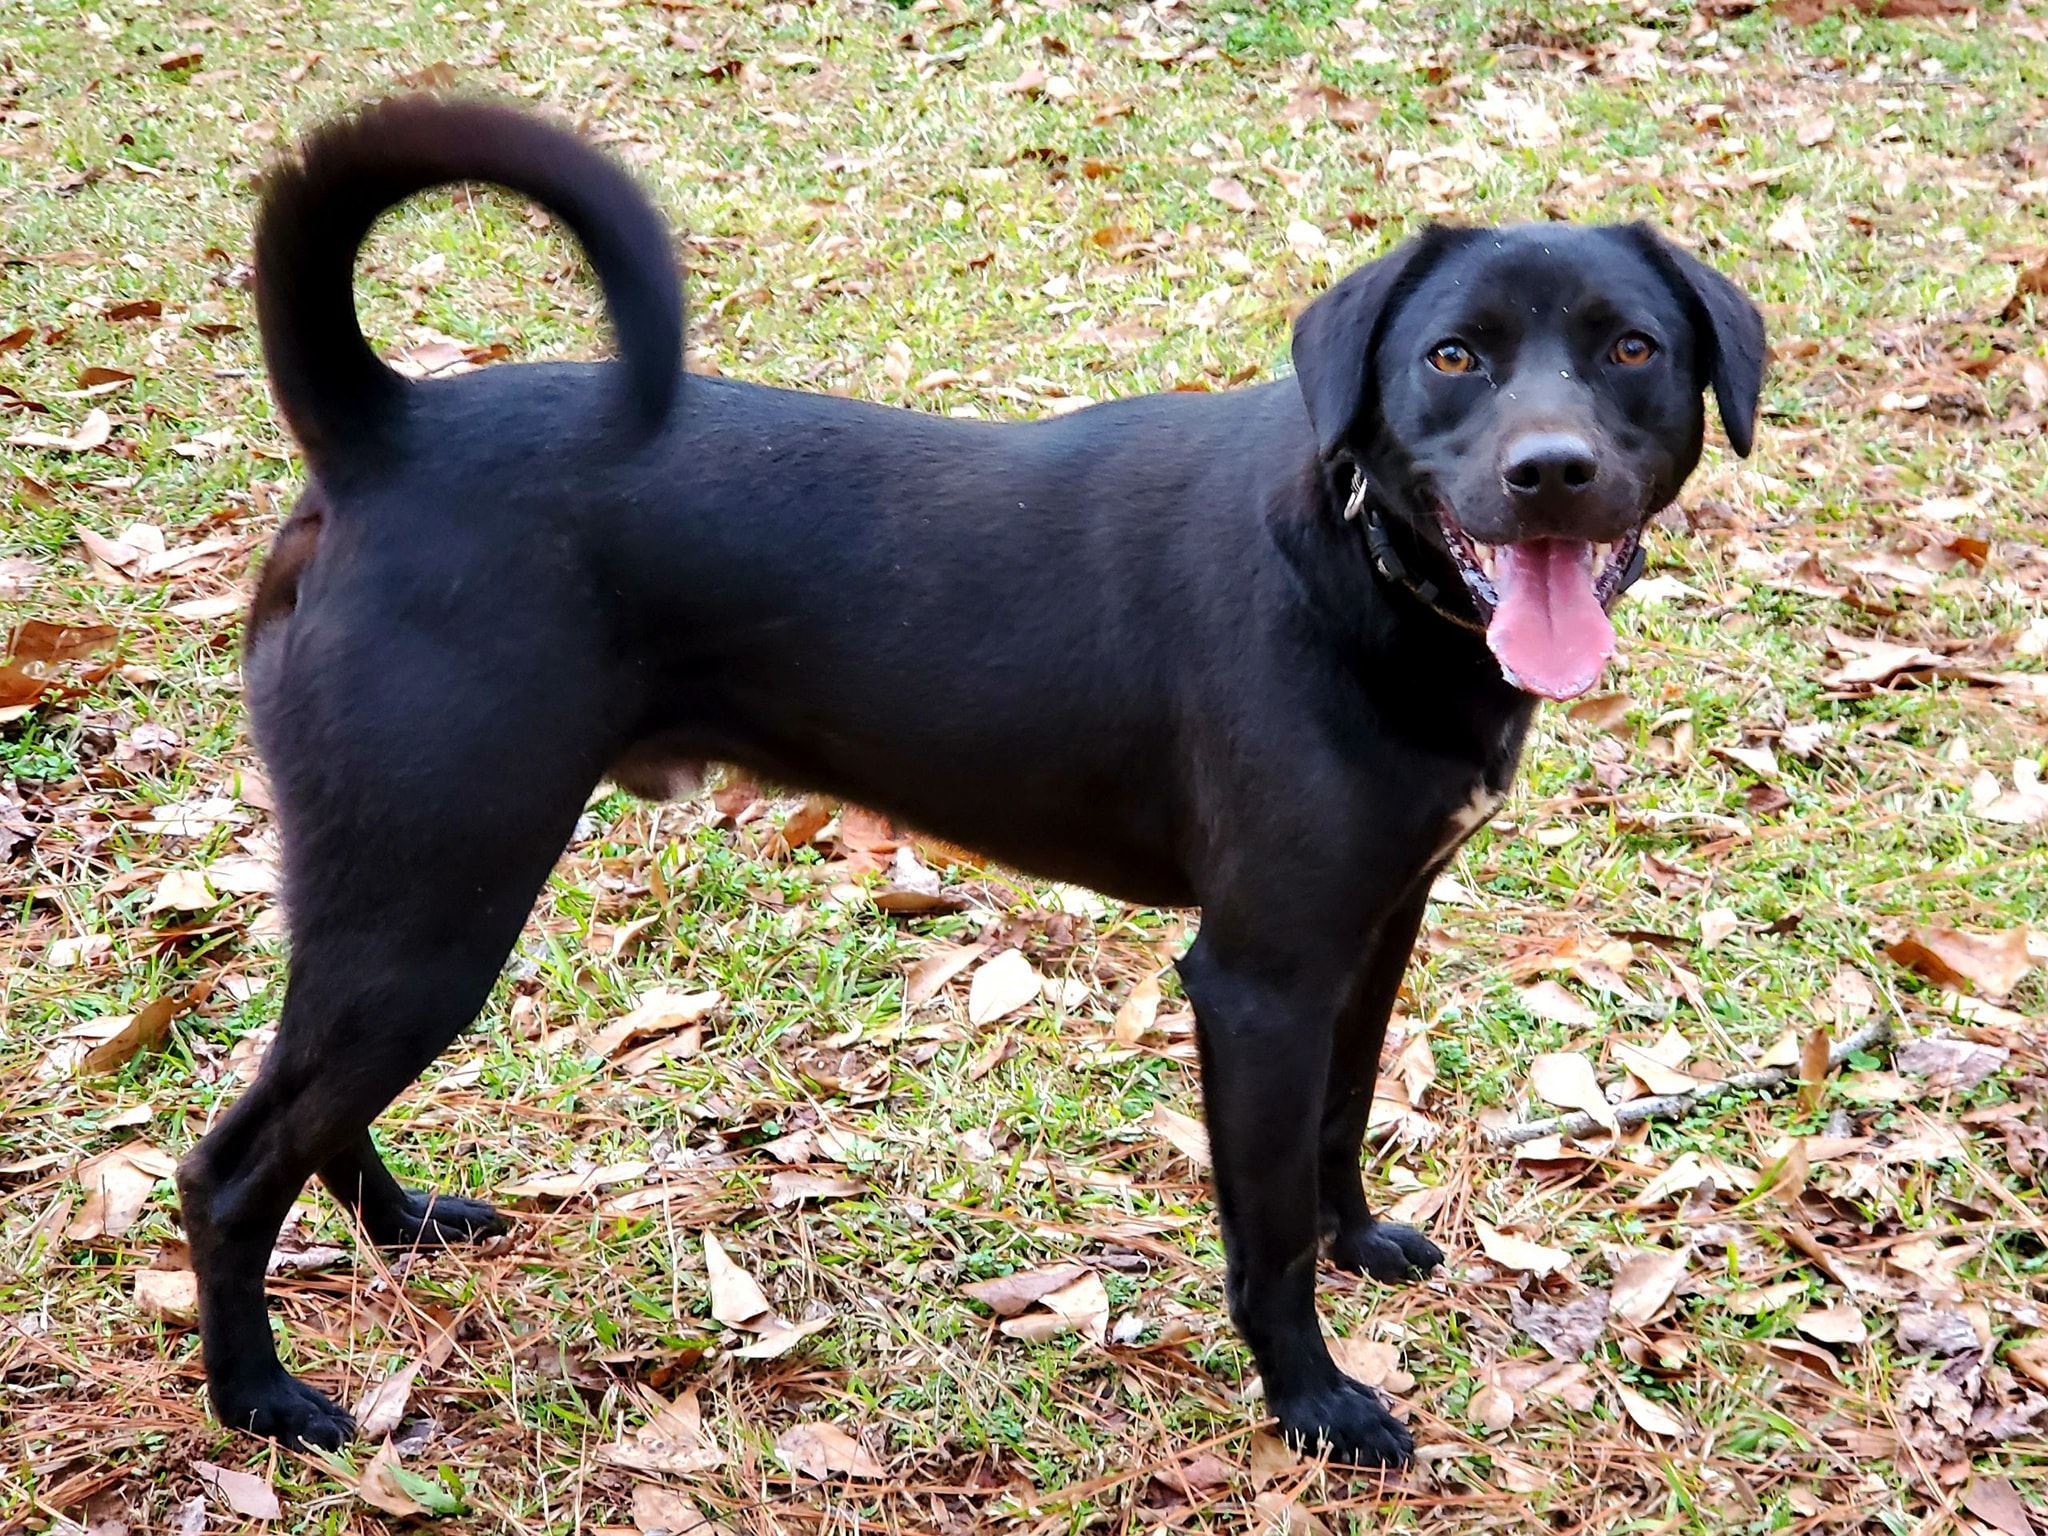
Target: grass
<point>855,179</point>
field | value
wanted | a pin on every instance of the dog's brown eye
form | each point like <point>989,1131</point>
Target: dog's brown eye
<point>1450,357</point>
<point>1632,351</point>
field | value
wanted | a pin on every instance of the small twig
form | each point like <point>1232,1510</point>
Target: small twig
<point>1671,1106</point>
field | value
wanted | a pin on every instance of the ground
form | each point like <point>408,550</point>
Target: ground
<point>1808,808</point>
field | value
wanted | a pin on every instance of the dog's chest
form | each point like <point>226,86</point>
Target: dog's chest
<point>1468,818</point>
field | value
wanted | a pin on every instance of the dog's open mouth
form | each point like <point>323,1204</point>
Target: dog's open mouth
<point>1545,603</point>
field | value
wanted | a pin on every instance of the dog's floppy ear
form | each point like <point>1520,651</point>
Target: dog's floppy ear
<point>1333,337</point>
<point>1731,334</point>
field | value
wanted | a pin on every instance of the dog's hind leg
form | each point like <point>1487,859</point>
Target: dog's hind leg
<point>405,895</point>
<point>396,1217</point>
<point>1359,1241</point>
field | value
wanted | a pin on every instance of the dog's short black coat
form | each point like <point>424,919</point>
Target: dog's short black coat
<point>1140,647</point>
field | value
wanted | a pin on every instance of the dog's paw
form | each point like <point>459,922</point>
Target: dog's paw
<point>288,1411</point>
<point>434,1221</point>
<point>1386,1250</point>
<point>1347,1422</point>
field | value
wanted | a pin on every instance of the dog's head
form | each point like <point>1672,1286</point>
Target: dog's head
<point>1526,399</point>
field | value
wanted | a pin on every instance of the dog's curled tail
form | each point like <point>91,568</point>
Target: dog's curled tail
<point>318,208</point>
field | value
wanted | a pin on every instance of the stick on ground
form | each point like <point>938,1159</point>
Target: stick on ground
<point>1672,1106</point>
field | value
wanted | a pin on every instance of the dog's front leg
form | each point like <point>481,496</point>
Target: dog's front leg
<point>1266,1019</point>
<point>1359,1241</point>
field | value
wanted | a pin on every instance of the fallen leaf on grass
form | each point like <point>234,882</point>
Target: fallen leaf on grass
<point>1002,987</point>
<point>1813,1068</point>
<point>670,1444</point>
<point>1512,1252</point>
<point>735,1298</point>
<point>659,1512</point>
<point>386,1484</point>
<point>825,1450</point>
<point>793,1187</point>
<point>1652,1069</point>
<point>1080,1307</point>
<point>1789,230</point>
<point>1989,963</point>
<point>1372,1362</point>
<point>561,1186</point>
<point>1645,1281</point>
<point>1567,1079</point>
<point>1754,1301</point>
<point>1924,1330</point>
<point>243,1492</point>
<point>1548,1000</point>
<point>1231,193</point>
<point>1137,1012</point>
<point>1009,1295</point>
<point>168,1295</point>
<point>928,977</point>
<point>776,1342</point>
<point>1280,1515</point>
<point>117,1186</point>
<point>660,1012</point>
<point>1650,1416</point>
<point>379,1410</point>
<point>1996,1502</point>
<point>1187,1134</point>
<point>1951,1065</point>
<point>183,890</point>
<point>1833,1325</point>
<point>1567,1330</point>
<point>91,434</point>
<point>146,1031</point>
<point>2021,806</point>
<point>1492,1407</point>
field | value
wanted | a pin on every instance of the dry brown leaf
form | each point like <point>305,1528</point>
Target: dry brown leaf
<point>1650,1416</point>
<point>1567,1079</point>
<point>147,1031</point>
<point>1231,193</point>
<point>823,1450</point>
<point>1789,230</point>
<point>928,977</point>
<point>736,1300</point>
<point>1813,1068</point>
<point>793,1186</point>
<point>1548,1000</point>
<point>1716,923</point>
<point>1010,1295</point>
<point>117,1186</point>
<point>1492,1407</point>
<point>1644,1282</point>
<point>1652,1070</point>
<point>671,1443</point>
<point>1755,1301</point>
<point>773,1343</point>
<point>243,1492</point>
<point>1839,1324</point>
<point>1997,1503</point>
<point>379,1410</point>
<point>660,1512</point>
<point>379,1487</point>
<point>1138,1012</point>
<point>2030,1359</point>
<point>183,890</point>
<point>660,1012</point>
<point>1001,987</point>
<point>1280,1515</point>
<point>1991,964</point>
<point>1512,1252</point>
<point>168,1295</point>
<point>1081,1307</point>
<point>91,433</point>
<point>1187,1134</point>
<point>562,1186</point>
<point>2024,805</point>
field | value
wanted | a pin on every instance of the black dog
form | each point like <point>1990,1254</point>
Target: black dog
<point>1269,652</point>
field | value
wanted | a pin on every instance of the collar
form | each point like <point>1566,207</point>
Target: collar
<point>1388,563</point>
<point>1392,569</point>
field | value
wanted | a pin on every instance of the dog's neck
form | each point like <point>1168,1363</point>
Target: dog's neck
<point>1400,559</point>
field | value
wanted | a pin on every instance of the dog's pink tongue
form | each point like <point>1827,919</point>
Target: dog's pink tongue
<point>1549,632</point>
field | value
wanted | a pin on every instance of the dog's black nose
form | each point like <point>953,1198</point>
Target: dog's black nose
<point>1549,465</point>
